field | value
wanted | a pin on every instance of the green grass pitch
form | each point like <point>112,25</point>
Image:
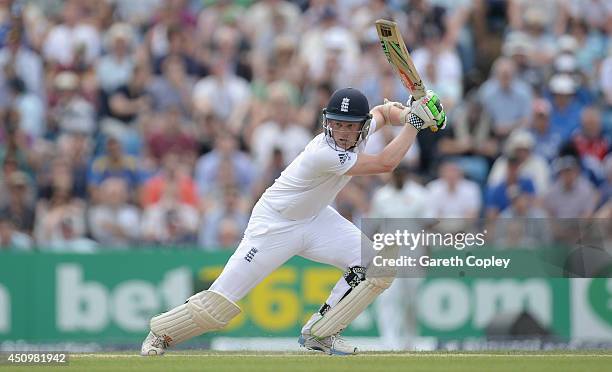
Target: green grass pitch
<point>555,361</point>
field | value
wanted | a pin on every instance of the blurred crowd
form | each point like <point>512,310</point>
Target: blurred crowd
<point>160,122</point>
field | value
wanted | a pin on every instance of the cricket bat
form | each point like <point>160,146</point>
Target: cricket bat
<point>395,50</point>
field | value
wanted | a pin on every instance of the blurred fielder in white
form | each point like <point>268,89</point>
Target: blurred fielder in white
<point>396,313</point>
<point>293,217</point>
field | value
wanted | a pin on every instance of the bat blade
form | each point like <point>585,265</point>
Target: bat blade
<point>397,55</point>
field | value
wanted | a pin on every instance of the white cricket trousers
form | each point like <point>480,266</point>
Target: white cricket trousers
<point>270,240</point>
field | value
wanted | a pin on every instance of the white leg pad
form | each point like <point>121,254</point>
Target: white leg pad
<point>340,316</point>
<point>204,312</point>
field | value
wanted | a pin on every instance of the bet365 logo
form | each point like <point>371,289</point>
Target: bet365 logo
<point>600,298</point>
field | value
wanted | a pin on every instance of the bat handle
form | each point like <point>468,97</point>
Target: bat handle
<point>418,95</point>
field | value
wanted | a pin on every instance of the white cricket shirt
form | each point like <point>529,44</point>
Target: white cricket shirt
<point>313,179</point>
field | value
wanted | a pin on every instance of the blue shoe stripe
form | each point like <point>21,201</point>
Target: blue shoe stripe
<point>336,352</point>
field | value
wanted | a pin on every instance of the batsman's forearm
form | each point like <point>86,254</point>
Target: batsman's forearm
<point>390,117</point>
<point>395,151</point>
<point>396,118</point>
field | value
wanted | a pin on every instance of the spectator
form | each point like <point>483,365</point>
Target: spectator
<point>72,112</point>
<point>401,197</point>
<point>133,98</point>
<point>381,83</point>
<point>523,205</point>
<point>590,44</point>
<point>266,19</point>
<point>207,125</point>
<point>179,47</point>
<point>16,149</point>
<point>170,221</point>
<point>454,19</point>
<point>451,195</point>
<point>30,108</point>
<point>9,165</point>
<point>566,64</point>
<point>517,46</point>
<point>545,14</point>
<point>60,219</point>
<point>137,12</point>
<point>520,146</point>
<point>115,163</point>
<point>565,115</point>
<point>589,139</point>
<point>572,195</point>
<point>325,39</point>
<point>441,67</point>
<point>539,30</point>
<point>279,131</point>
<point>19,62</point>
<point>19,207</point>
<point>229,234</point>
<point>213,17</point>
<point>230,45</point>
<point>499,195</point>
<point>113,222</point>
<point>315,102</point>
<point>226,178</point>
<point>172,172</point>
<point>508,99</point>
<point>470,140</point>
<point>174,135</point>
<point>547,141</point>
<point>173,88</point>
<point>115,68</point>
<point>522,224</point>
<point>208,166</point>
<point>334,69</point>
<point>286,64</point>
<point>170,15</point>
<point>68,39</point>
<point>226,221</point>
<point>231,91</point>
<point>11,238</point>
<point>76,148</point>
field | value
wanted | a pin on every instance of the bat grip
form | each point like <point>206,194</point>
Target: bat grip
<point>418,94</point>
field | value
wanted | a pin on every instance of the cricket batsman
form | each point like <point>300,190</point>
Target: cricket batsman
<point>294,217</point>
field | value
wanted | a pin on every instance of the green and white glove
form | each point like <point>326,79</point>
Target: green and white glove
<point>427,112</point>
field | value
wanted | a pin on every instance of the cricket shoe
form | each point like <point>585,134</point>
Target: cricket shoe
<point>153,345</point>
<point>332,345</point>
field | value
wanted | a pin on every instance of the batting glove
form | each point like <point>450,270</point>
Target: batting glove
<point>427,112</point>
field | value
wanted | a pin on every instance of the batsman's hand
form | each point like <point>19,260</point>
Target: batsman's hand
<point>427,112</point>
